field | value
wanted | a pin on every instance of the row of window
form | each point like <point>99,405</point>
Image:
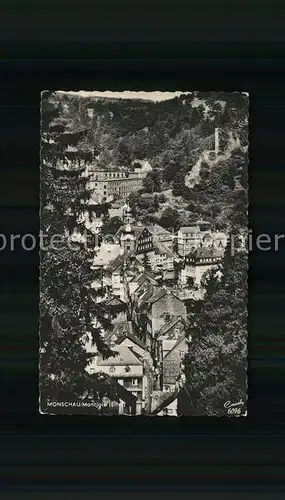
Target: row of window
<point>144,246</point>
<point>134,381</point>
<point>208,259</point>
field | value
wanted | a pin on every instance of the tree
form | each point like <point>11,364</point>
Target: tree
<point>155,202</point>
<point>216,361</point>
<point>124,155</point>
<point>112,225</point>
<point>169,219</point>
<point>146,262</point>
<point>69,312</point>
<point>153,181</point>
<point>178,187</point>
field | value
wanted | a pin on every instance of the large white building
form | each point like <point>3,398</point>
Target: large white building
<point>116,181</point>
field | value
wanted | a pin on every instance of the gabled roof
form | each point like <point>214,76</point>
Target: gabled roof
<point>156,230</point>
<point>169,324</point>
<point>109,336</point>
<point>162,400</point>
<point>167,345</point>
<point>141,278</point>
<point>144,298</point>
<point>206,252</point>
<point>183,337</point>
<point>124,357</point>
<point>158,294</point>
<point>123,394</point>
<point>137,230</point>
<point>114,301</point>
<point>129,335</point>
<point>183,397</point>
<point>163,249</point>
<point>153,295</point>
<point>119,261</point>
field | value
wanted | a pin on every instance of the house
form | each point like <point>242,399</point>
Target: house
<point>161,302</point>
<point>141,283</point>
<point>136,283</point>
<point>126,405</point>
<point>116,309</point>
<point>162,260</point>
<point>135,238</point>
<point>188,238</point>
<point>106,254</point>
<point>121,328</point>
<point>154,307</point>
<point>120,271</point>
<point>128,339</point>
<point>130,370</point>
<point>161,235</point>
<point>203,225</point>
<point>172,403</point>
<point>115,181</point>
<point>164,403</point>
<point>170,333</point>
<point>172,364</point>
<point>198,262</point>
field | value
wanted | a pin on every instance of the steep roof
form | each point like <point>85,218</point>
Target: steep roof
<point>118,262</point>
<point>181,339</point>
<point>114,301</point>
<point>206,252</point>
<point>156,230</point>
<point>137,230</point>
<point>123,394</point>
<point>188,229</point>
<point>125,357</point>
<point>152,295</point>
<point>169,324</point>
<point>107,253</point>
<point>141,278</point>
<point>183,397</point>
<point>163,249</point>
<point>108,337</point>
<point>161,400</point>
<point>167,345</point>
<point>129,335</point>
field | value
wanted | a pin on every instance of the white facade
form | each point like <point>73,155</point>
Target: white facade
<point>169,410</point>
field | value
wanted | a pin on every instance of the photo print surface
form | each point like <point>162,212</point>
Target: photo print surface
<point>143,278</point>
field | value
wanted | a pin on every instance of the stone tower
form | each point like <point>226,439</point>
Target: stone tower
<point>127,214</point>
<point>217,143</point>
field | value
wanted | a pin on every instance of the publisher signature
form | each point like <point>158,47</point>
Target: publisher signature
<point>234,408</point>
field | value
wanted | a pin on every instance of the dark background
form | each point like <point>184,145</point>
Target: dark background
<point>149,46</point>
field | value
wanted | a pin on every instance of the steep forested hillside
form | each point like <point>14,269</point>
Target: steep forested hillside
<point>171,135</point>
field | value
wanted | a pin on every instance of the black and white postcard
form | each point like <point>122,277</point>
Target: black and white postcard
<point>143,243</point>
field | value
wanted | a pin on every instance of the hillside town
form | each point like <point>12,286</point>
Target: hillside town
<point>148,274</point>
<point>145,312</point>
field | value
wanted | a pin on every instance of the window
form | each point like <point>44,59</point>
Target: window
<point>127,369</point>
<point>111,369</point>
<point>134,381</point>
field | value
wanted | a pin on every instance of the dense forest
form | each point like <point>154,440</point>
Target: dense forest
<point>171,135</point>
